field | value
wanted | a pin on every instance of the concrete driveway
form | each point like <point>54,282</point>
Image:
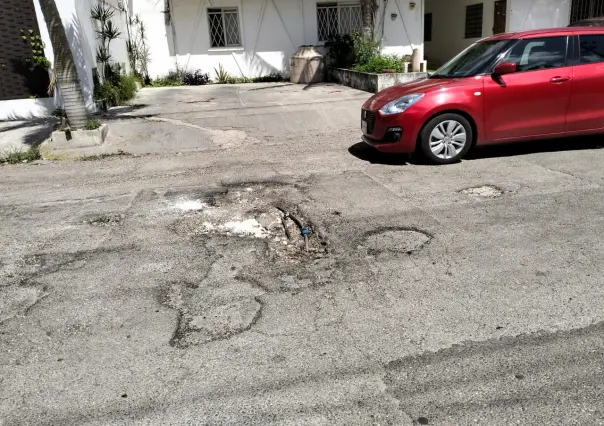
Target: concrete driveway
<point>225,116</point>
<point>176,289</point>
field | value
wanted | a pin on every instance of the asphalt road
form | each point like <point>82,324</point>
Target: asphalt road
<point>165,290</point>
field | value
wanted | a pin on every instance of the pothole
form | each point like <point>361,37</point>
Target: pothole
<point>484,191</point>
<point>105,220</point>
<point>396,240</point>
<point>262,244</point>
<point>251,212</point>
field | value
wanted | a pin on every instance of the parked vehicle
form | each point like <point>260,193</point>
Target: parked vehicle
<point>509,87</point>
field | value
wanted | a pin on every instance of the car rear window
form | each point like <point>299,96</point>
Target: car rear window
<point>592,48</point>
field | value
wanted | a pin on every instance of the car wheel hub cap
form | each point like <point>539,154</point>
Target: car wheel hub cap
<point>448,139</point>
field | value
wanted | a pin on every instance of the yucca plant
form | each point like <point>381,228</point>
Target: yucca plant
<point>222,76</point>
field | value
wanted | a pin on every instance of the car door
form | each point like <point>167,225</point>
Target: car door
<point>586,107</point>
<point>533,101</point>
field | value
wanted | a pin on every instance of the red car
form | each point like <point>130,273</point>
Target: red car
<point>510,87</point>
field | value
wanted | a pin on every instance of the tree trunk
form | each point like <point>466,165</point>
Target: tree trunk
<point>64,67</point>
<point>368,8</point>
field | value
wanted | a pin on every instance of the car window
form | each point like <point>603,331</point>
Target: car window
<point>538,53</point>
<point>592,49</point>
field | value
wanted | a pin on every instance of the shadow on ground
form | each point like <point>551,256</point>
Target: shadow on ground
<point>367,153</point>
<point>535,147</point>
<point>364,152</point>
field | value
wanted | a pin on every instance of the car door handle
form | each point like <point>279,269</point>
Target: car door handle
<point>559,79</point>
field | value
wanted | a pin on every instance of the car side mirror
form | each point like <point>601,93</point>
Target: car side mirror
<point>505,68</point>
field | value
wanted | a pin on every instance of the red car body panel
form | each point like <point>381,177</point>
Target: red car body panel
<point>532,104</point>
<point>586,106</point>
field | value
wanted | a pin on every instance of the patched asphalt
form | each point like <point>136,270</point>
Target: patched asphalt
<point>173,289</point>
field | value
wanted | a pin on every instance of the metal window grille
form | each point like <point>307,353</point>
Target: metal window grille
<point>585,9</point>
<point>474,20</point>
<point>224,27</point>
<point>338,19</point>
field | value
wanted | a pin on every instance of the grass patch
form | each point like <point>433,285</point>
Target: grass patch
<point>17,156</point>
<point>92,124</point>
<point>100,157</point>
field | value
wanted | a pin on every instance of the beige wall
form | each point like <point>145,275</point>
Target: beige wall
<point>448,22</point>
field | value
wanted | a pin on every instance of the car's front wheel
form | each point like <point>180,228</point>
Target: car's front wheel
<point>446,138</point>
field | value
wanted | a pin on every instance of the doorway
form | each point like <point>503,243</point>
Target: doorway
<point>499,16</point>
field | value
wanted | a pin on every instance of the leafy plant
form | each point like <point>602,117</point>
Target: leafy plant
<point>222,76</point>
<point>106,33</point>
<point>270,78</point>
<point>92,124</point>
<point>238,80</point>
<point>196,78</point>
<point>174,78</point>
<point>19,156</point>
<point>117,88</point>
<point>380,63</point>
<point>364,49</point>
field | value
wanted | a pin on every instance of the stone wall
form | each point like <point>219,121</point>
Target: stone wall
<point>371,82</point>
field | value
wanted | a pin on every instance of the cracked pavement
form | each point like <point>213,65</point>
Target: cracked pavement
<point>165,289</point>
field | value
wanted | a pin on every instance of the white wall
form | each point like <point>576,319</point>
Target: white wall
<point>448,27</point>
<point>405,32</point>
<point>536,14</point>
<point>271,31</point>
<point>24,109</point>
<point>448,22</point>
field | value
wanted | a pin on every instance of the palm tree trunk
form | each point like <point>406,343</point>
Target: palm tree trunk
<point>368,8</point>
<point>64,67</point>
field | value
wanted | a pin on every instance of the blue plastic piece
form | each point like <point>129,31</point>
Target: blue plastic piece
<point>305,231</point>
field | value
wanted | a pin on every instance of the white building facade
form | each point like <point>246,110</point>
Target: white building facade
<point>452,25</point>
<point>250,38</point>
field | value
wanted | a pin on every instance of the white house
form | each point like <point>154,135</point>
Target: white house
<point>452,25</point>
<point>248,38</point>
<point>251,38</point>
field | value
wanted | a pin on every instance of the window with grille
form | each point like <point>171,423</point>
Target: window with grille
<point>428,27</point>
<point>585,9</point>
<point>224,27</point>
<point>338,19</point>
<point>474,21</point>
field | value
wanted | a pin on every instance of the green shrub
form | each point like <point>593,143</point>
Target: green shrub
<point>174,78</point>
<point>196,78</point>
<point>107,91</point>
<point>18,156</point>
<point>127,88</point>
<point>351,50</point>
<point>270,78</point>
<point>364,49</point>
<point>380,63</point>
<point>117,89</point>
<point>92,124</point>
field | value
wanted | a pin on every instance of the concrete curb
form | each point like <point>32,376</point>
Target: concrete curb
<point>79,138</point>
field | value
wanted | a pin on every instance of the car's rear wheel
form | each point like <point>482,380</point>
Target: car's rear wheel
<point>446,138</point>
